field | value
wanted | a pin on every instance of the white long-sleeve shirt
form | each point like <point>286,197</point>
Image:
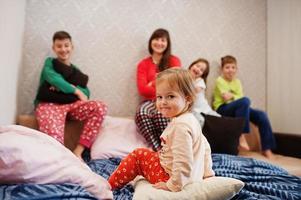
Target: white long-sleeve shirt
<point>185,153</point>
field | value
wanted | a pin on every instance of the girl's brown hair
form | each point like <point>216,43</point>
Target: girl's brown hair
<point>179,80</point>
<point>228,59</point>
<point>206,72</point>
<point>161,33</point>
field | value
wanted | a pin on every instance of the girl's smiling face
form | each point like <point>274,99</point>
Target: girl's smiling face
<point>170,102</point>
<point>198,69</point>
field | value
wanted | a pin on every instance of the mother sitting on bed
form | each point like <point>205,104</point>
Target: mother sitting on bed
<point>149,121</point>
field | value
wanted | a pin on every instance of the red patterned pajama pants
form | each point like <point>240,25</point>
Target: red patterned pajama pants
<point>52,117</point>
<point>141,161</point>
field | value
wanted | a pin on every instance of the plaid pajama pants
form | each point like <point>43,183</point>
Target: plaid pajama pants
<point>142,162</point>
<point>150,123</point>
<point>52,118</point>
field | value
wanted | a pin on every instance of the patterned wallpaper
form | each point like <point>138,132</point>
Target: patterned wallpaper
<point>110,37</point>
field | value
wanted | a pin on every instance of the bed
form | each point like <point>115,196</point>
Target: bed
<point>262,180</point>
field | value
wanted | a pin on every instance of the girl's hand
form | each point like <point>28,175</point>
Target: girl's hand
<point>80,95</point>
<point>161,185</point>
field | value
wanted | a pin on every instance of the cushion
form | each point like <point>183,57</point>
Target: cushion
<point>70,74</point>
<point>45,94</point>
<point>30,156</point>
<point>117,138</point>
<point>213,188</point>
<point>223,133</point>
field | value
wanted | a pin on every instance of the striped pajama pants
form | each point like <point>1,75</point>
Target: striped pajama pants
<point>150,123</point>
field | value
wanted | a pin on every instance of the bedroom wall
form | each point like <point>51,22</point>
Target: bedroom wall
<point>110,38</point>
<point>12,19</point>
<point>284,70</point>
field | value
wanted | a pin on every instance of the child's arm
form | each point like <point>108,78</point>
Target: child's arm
<point>227,96</point>
<point>200,85</point>
<point>232,92</point>
<point>224,90</point>
<point>85,90</point>
<point>58,81</point>
<point>80,95</point>
<point>237,90</point>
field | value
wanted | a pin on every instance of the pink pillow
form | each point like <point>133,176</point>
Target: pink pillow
<point>117,138</point>
<point>30,156</point>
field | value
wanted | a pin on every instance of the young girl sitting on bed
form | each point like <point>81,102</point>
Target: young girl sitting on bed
<point>185,155</point>
<point>199,70</point>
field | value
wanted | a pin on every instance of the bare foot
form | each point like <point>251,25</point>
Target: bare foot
<point>79,149</point>
<point>268,154</point>
<point>243,145</point>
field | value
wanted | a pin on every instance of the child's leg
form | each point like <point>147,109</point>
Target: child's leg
<point>243,144</point>
<point>78,151</point>
<point>51,119</point>
<point>92,113</point>
<point>260,119</point>
<point>237,108</point>
<point>145,122</point>
<point>140,162</point>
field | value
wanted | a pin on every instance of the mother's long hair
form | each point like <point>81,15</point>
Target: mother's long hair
<point>161,33</point>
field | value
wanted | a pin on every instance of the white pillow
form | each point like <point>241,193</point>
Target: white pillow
<point>30,156</point>
<point>117,138</point>
<point>213,188</point>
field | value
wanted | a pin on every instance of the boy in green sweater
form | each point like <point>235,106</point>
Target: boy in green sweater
<point>51,115</point>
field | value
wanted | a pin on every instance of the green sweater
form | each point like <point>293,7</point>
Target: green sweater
<point>222,86</point>
<point>57,80</point>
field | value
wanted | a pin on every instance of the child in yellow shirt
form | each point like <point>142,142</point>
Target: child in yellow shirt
<point>230,101</point>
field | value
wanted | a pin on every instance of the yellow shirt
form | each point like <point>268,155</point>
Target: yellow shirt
<point>185,153</point>
<point>222,86</point>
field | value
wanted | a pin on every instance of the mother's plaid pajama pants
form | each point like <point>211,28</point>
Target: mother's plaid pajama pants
<point>150,123</point>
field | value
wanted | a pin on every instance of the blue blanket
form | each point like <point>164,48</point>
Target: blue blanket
<point>263,181</point>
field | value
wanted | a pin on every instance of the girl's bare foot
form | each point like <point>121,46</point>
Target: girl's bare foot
<point>268,154</point>
<point>243,144</point>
